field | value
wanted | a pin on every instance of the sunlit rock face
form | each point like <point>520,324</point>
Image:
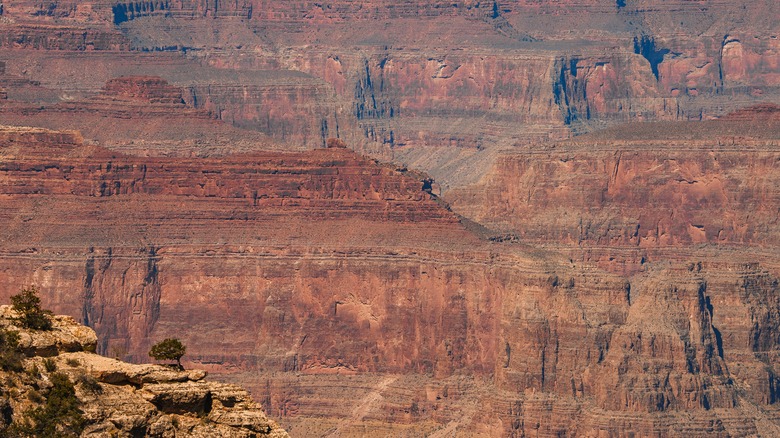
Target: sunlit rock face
<point>590,251</point>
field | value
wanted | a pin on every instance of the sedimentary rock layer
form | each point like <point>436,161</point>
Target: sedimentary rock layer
<point>471,76</point>
<point>325,263</point>
<point>643,188</point>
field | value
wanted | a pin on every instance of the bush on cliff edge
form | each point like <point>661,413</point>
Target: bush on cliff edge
<point>28,305</point>
<point>169,349</point>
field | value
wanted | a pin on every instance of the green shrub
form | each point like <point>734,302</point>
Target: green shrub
<point>34,372</point>
<point>169,349</point>
<point>28,305</point>
<point>72,362</point>
<point>89,383</point>
<point>35,397</point>
<point>49,365</point>
<point>10,356</point>
<point>60,416</point>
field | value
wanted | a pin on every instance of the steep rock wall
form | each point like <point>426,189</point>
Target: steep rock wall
<point>324,263</point>
<point>599,196</point>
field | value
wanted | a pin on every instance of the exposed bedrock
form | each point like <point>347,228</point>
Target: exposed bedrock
<point>703,342</point>
<point>283,266</point>
<point>416,74</point>
<point>714,192</point>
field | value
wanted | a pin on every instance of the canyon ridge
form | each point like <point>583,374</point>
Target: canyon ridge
<point>412,218</point>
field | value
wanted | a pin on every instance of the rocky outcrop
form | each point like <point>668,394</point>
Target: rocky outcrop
<point>66,336</point>
<point>119,398</point>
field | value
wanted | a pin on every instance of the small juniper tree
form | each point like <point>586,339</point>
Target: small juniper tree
<point>28,305</point>
<point>169,349</point>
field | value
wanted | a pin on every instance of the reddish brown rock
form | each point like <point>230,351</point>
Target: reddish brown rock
<point>325,263</point>
<point>708,182</point>
<point>766,113</point>
<point>341,289</point>
<point>147,88</point>
<point>474,75</point>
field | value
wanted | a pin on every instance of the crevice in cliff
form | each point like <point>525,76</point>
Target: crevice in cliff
<point>726,39</point>
<point>89,293</point>
<point>503,26</point>
<point>151,285</point>
<point>371,101</point>
<point>92,311</point>
<point>718,336</point>
<point>131,10</point>
<point>95,267</point>
<point>569,93</point>
<point>646,46</point>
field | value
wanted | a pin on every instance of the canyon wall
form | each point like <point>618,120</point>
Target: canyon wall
<point>471,76</point>
<point>573,276</point>
<point>273,267</point>
<point>598,196</point>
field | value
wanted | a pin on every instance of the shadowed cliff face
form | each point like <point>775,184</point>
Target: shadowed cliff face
<point>275,267</point>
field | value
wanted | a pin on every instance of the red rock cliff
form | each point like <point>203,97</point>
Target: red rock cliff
<point>326,263</point>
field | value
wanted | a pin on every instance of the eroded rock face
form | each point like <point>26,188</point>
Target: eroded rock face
<point>274,268</point>
<point>708,183</point>
<point>119,398</point>
<point>472,76</point>
<point>337,279</point>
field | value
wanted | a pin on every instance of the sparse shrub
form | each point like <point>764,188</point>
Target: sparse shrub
<point>169,349</point>
<point>28,305</point>
<point>49,365</point>
<point>35,397</point>
<point>72,362</point>
<point>89,383</point>
<point>10,356</point>
<point>34,372</point>
<point>60,416</point>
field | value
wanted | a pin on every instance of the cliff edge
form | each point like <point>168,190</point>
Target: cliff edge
<point>48,373</point>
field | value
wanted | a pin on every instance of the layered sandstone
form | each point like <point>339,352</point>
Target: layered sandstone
<point>708,183</point>
<point>646,305</point>
<point>326,264</point>
<point>473,76</point>
<point>143,115</point>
